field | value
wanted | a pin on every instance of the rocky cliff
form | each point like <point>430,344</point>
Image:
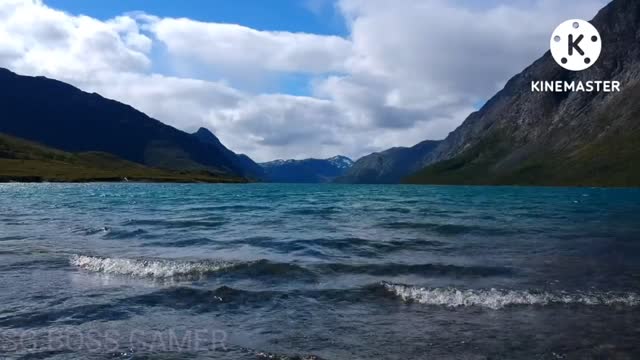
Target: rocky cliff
<point>548,138</point>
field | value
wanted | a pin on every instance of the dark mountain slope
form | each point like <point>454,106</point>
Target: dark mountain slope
<point>389,166</point>
<point>61,116</point>
<point>22,160</point>
<point>249,168</point>
<point>522,137</point>
<point>307,171</point>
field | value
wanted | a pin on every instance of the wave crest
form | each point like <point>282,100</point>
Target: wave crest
<point>156,268</point>
<point>497,299</point>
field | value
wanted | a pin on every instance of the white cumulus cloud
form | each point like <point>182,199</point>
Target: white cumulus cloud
<point>236,46</point>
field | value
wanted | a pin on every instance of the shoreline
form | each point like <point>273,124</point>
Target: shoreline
<point>42,180</point>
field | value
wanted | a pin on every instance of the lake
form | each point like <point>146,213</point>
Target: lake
<point>283,271</point>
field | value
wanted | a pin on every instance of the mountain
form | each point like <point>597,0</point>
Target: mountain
<point>389,166</point>
<point>534,138</point>
<point>306,171</point>
<point>22,160</point>
<point>61,116</point>
<point>249,168</point>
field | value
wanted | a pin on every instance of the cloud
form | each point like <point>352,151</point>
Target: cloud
<point>409,70</point>
<point>416,60</point>
<point>240,47</point>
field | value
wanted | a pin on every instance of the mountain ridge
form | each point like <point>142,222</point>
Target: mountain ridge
<point>520,137</point>
<point>538,138</point>
<point>250,168</point>
<point>388,166</point>
<point>25,161</point>
<point>61,116</point>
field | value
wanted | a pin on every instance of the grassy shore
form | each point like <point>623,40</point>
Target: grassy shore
<point>25,161</point>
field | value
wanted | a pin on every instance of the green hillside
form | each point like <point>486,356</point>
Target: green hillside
<point>22,160</point>
<point>611,161</point>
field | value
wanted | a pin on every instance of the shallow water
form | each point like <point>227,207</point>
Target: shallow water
<point>269,271</point>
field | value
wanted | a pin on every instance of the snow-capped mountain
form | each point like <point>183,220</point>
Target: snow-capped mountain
<point>307,170</point>
<point>341,162</point>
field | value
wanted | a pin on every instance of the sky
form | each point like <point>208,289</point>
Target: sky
<point>289,78</point>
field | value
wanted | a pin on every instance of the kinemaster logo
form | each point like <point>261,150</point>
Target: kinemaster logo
<point>576,45</point>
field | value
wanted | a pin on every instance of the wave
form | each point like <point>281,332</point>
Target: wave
<point>12,238</point>
<point>179,269</point>
<point>165,268</point>
<point>448,229</point>
<point>201,299</point>
<point>180,243</point>
<point>91,230</point>
<point>356,245</point>
<point>205,300</point>
<point>391,269</point>
<point>34,263</point>
<point>155,268</point>
<point>123,234</point>
<point>498,299</point>
<point>259,268</point>
<point>204,223</point>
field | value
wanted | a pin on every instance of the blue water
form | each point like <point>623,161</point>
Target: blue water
<point>269,271</point>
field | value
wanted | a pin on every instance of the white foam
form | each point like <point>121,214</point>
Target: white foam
<point>146,268</point>
<point>497,299</point>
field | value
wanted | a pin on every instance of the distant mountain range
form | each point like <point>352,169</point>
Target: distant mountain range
<point>63,117</point>
<point>306,171</point>
<point>389,166</point>
<point>534,138</point>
